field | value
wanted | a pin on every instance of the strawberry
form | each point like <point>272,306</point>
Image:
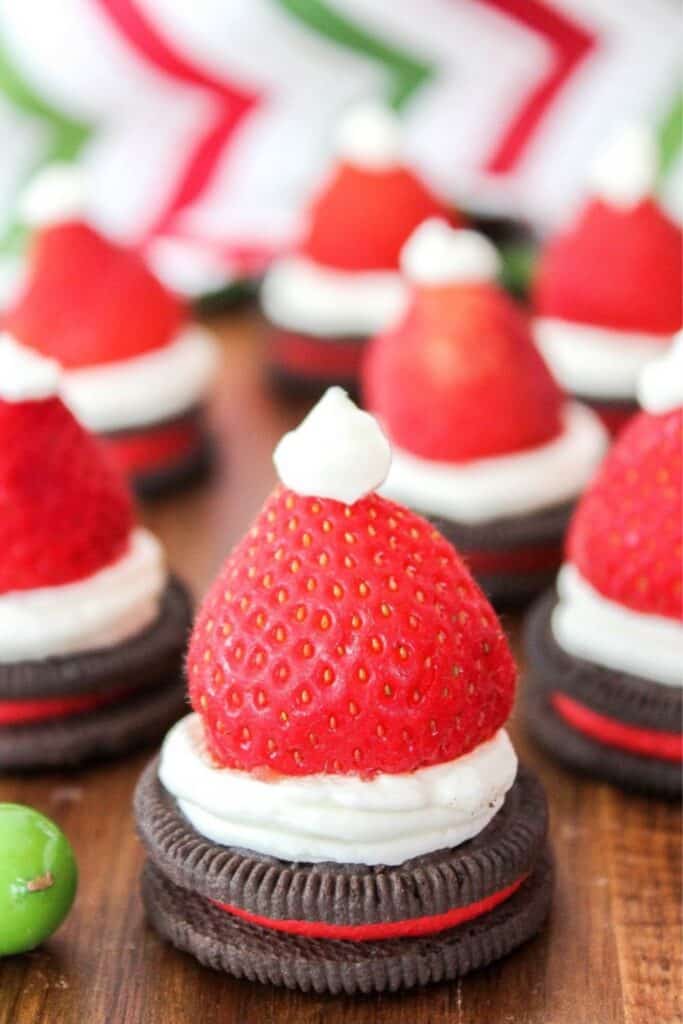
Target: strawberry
<point>362,217</point>
<point>346,639</point>
<point>65,512</point>
<point>460,378</point>
<point>89,301</point>
<point>615,268</point>
<point>626,536</point>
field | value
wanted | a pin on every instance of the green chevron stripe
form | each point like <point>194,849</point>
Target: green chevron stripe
<point>407,71</point>
<point>670,136</point>
<point>65,135</point>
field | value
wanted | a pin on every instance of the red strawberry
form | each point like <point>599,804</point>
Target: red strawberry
<point>89,301</point>
<point>460,378</point>
<point>346,639</point>
<point>65,512</point>
<point>362,217</point>
<point>626,536</point>
<point>616,268</point>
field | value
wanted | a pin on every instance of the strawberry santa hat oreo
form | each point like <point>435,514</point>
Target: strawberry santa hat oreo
<point>341,283</point>
<point>606,650</point>
<point>484,441</point>
<point>92,627</point>
<point>607,292</point>
<point>344,810</point>
<point>136,370</point>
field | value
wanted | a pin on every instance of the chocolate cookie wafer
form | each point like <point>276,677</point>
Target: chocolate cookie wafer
<point>340,927</point>
<point>303,365</point>
<point>65,710</point>
<point>594,719</point>
<point>513,558</point>
<point>164,457</point>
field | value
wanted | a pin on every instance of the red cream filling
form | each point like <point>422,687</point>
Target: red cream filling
<point>534,558</point>
<point>22,712</point>
<point>380,930</point>
<point>665,746</point>
<point>311,356</point>
<point>154,447</point>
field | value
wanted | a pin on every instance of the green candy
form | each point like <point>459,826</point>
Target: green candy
<point>38,878</point>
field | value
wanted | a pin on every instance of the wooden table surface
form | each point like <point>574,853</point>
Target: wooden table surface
<point>610,954</point>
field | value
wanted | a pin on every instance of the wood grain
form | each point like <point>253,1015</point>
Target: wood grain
<point>611,953</point>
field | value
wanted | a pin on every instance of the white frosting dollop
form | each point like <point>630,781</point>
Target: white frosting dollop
<point>502,485</point>
<point>625,170</point>
<point>660,385</point>
<point>438,254</point>
<point>588,625</point>
<point>300,295</point>
<point>98,611</point>
<point>338,451</point>
<point>369,136</point>
<point>149,388</point>
<point>386,819</point>
<point>25,375</point>
<point>56,194</point>
<point>596,362</point>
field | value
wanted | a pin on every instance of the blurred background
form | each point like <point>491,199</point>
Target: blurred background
<point>203,126</point>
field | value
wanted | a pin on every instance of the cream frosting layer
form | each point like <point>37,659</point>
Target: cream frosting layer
<point>104,609</point>
<point>25,376</point>
<point>146,389</point>
<point>660,385</point>
<point>588,625</point>
<point>503,485</point>
<point>300,295</point>
<point>386,819</point>
<point>596,362</point>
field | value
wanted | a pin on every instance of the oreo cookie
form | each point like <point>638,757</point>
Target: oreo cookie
<point>164,457</point>
<point>513,558</point>
<point>347,927</point>
<point>579,712</point>
<point>304,365</point>
<point>614,412</point>
<point>64,710</point>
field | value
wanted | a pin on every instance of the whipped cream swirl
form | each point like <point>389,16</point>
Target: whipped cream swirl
<point>386,819</point>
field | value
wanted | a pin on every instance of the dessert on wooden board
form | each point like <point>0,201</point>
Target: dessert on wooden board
<point>341,281</point>
<point>605,650</point>
<point>93,626</point>
<point>485,443</point>
<point>344,810</point>
<point>136,368</point>
<point>608,289</point>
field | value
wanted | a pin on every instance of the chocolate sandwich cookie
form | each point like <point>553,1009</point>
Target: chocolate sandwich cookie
<point>303,366</point>
<point>347,927</point>
<point>164,457</point>
<point>64,710</point>
<point>610,724</point>
<point>614,412</point>
<point>515,557</point>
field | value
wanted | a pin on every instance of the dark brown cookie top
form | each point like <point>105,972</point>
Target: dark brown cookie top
<point>545,526</point>
<point>138,662</point>
<point>631,699</point>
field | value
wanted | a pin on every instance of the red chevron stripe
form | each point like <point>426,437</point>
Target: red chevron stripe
<point>232,105</point>
<point>572,44</point>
